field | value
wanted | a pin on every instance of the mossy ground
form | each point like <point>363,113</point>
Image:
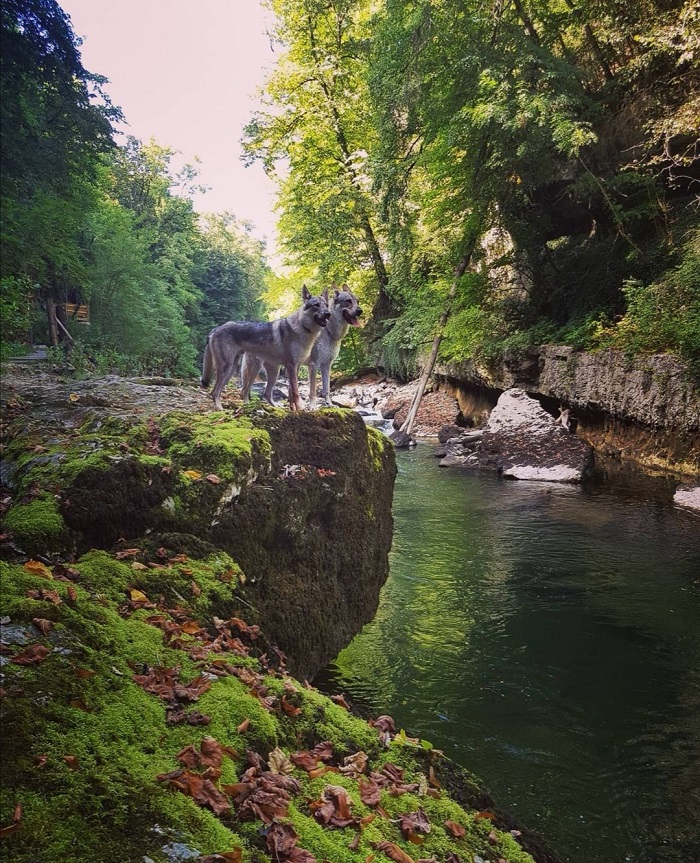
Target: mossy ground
<point>83,742</point>
<point>159,510</point>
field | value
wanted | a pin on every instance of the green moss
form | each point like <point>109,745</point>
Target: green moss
<point>226,447</point>
<point>38,526</point>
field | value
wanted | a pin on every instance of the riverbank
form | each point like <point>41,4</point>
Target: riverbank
<point>157,555</point>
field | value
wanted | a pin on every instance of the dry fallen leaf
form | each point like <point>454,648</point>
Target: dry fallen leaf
<point>278,762</point>
<point>35,567</point>
<point>44,626</point>
<point>32,655</point>
<point>455,829</point>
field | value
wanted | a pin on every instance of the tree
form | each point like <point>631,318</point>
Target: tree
<point>316,125</point>
<point>55,123</point>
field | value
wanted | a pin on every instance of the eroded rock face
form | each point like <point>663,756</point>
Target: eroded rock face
<point>646,410</point>
<point>522,441</point>
<point>313,537</point>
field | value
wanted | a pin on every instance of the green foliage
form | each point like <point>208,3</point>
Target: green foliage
<point>15,303</point>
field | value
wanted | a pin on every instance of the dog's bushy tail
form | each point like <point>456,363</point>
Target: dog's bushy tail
<point>207,366</point>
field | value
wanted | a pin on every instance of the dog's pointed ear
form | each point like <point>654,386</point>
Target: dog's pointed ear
<point>346,288</point>
<point>305,294</point>
<point>336,294</point>
<point>325,295</point>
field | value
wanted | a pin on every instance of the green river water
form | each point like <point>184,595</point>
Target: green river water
<point>547,638</point>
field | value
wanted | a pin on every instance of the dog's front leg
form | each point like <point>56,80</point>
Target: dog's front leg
<point>294,400</point>
<point>326,384</point>
<point>272,371</point>
<point>312,384</point>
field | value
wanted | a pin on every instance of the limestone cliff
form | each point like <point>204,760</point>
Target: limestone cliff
<point>646,410</point>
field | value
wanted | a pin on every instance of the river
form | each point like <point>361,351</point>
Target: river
<point>547,638</point>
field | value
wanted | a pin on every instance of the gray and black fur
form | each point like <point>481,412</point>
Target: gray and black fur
<point>285,342</point>
<point>345,313</point>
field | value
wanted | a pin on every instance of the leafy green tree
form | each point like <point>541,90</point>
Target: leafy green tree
<point>230,272</point>
<point>55,123</point>
<point>316,126</point>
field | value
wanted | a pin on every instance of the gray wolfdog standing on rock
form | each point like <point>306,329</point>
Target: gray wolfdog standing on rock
<point>285,342</point>
<point>345,312</point>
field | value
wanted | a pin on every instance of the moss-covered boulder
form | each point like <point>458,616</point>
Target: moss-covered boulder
<point>139,725</point>
<point>302,502</point>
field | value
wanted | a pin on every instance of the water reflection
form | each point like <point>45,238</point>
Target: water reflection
<point>548,638</point>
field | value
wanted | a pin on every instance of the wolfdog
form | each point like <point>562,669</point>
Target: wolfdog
<point>345,312</point>
<point>285,342</point>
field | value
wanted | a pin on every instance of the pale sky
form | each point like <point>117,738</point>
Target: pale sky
<point>185,72</point>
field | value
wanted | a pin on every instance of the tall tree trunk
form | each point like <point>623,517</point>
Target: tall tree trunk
<point>594,43</point>
<point>410,420</point>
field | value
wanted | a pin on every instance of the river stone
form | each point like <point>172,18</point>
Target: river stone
<point>523,441</point>
<point>688,496</point>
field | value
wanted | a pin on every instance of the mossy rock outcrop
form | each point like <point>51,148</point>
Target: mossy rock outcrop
<point>147,711</point>
<point>138,726</point>
<point>302,502</point>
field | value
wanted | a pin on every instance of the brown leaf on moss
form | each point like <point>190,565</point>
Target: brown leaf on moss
<point>32,655</point>
<point>195,588</point>
<point>251,631</point>
<point>369,792</point>
<point>16,825</point>
<point>432,778</point>
<point>44,626</point>
<point>41,760</point>
<point>282,844</point>
<point>354,765</point>
<point>414,823</point>
<point>180,558</point>
<point>126,553</point>
<point>48,595</point>
<point>288,708</point>
<point>213,479</point>
<point>79,704</point>
<point>84,673</point>
<point>212,752</point>
<point>72,593</point>
<point>393,852</point>
<point>278,762</point>
<point>305,759</point>
<point>455,829</point>
<point>72,762</point>
<point>390,777</point>
<point>35,567</point>
<point>340,699</point>
<point>200,789</point>
<point>266,796</point>
<point>243,727</point>
<point>490,815</point>
<point>386,728</point>
<point>190,627</point>
<point>192,690</point>
<point>323,750</point>
<point>333,808</point>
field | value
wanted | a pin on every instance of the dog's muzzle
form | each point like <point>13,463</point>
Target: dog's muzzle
<point>352,318</point>
<point>322,319</point>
